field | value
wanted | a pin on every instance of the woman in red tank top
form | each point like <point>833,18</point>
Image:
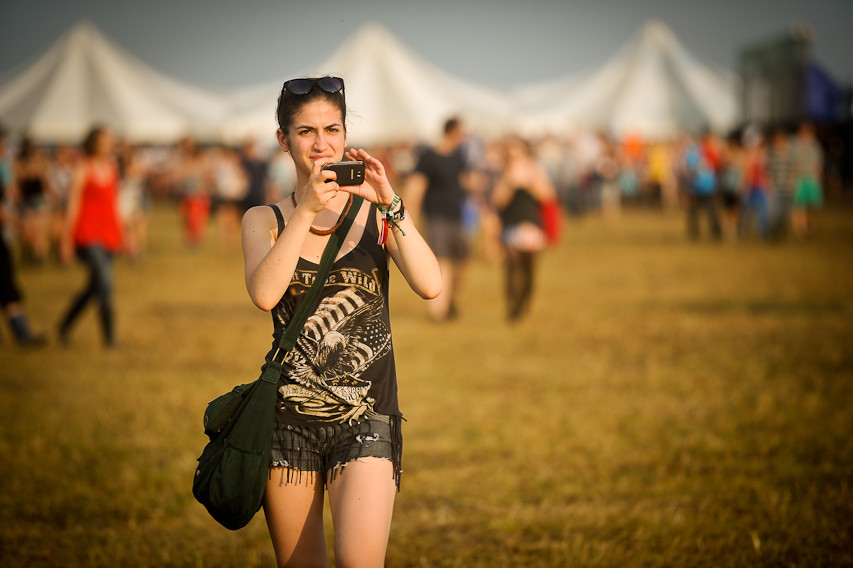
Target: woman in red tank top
<point>93,230</point>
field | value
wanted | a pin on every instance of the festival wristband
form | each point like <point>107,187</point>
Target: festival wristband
<point>392,218</point>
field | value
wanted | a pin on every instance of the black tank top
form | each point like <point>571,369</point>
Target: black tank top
<point>522,208</point>
<point>32,190</point>
<point>343,362</point>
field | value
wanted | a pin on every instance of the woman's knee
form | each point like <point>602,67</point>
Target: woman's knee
<point>102,277</point>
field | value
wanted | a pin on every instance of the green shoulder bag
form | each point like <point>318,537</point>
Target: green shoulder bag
<point>233,467</point>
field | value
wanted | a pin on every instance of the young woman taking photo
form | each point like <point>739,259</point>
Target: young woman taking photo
<point>337,424</point>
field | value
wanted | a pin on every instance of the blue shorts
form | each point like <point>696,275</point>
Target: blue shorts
<point>327,447</point>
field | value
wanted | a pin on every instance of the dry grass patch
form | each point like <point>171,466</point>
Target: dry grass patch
<point>666,404</point>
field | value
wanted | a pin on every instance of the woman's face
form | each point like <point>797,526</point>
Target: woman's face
<point>317,134</point>
<point>515,150</point>
<point>105,143</point>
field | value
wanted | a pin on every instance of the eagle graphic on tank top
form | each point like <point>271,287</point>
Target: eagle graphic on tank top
<point>343,337</point>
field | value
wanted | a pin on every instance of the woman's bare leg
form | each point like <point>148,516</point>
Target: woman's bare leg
<point>361,498</point>
<point>294,513</point>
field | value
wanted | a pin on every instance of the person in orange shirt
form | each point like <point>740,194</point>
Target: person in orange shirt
<point>93,230</point>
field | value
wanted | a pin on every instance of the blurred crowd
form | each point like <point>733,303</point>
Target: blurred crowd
<point>752,184</point>
<point>207,183</point>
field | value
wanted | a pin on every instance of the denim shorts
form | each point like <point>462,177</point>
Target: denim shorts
<point>326,447</point>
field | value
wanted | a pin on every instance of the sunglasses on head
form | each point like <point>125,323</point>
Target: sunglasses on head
<point>330,85</point>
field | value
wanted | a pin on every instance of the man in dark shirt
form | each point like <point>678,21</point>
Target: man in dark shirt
<point>437,195</point>
<point>256,167</point>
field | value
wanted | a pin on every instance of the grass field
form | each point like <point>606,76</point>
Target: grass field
<point>667,404</point>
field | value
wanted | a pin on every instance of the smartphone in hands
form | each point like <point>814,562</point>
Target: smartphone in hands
<point>349,173</point>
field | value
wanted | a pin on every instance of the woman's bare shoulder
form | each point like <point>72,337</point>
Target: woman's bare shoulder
<point>260,216</point>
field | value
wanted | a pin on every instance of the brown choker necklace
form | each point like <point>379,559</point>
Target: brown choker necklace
<point>326,232</point>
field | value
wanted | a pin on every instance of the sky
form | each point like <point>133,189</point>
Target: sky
<point>499,43</point>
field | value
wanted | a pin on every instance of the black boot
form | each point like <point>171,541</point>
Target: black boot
<point>22,331</point>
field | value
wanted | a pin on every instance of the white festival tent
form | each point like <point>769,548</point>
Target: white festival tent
<point>392,94</point>
<point>653,87</point>
<point>84,78</point>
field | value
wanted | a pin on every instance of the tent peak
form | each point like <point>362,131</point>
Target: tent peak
<point>655,32</point>
<point>83,24</point>
<point>83,29</point>
<point>372,28</point>
<point>84,36</point>
<point>375,36</point>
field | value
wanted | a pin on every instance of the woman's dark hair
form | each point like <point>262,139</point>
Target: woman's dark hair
<point>90,142</point>
<point>289,104</point>
<point>452,124</point>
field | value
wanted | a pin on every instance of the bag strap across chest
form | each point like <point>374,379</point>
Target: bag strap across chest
<point>311,299</point>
